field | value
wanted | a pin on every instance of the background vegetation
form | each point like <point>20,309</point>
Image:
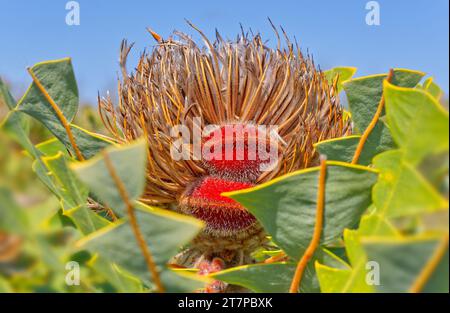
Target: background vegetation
<point>387,211</point>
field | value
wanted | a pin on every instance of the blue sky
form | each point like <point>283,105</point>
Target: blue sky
<point>413,33</point>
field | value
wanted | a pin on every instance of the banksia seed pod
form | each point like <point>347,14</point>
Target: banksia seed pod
<point>226,83</point>
<point>240,152</point>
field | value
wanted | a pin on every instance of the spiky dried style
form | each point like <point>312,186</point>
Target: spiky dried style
<point>241,81</point>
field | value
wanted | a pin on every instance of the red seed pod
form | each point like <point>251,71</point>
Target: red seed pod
<point>217,265</point>
<point>239,151</point>
<point>203,200</point>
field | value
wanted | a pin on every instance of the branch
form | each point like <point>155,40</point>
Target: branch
<point>372,124</point>
<point>133,222</point>
<point>59,113</point>
<point>317,229</point>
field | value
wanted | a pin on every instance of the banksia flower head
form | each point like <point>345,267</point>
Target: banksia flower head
<point>214,92</point>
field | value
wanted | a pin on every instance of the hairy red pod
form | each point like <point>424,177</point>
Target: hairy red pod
<point>239,151</point>
<point>222,215</point>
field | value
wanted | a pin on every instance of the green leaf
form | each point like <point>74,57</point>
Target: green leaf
<point>343,149</point>
<point>18,130</point>
<point>353,278</point>
<point>333,279</point>
<point>85,219</point>
<point>345,73</point>
<point>364,95</point>
<point>73,195</point>
<point>401,190</point>
<point>58,79</point>
<point>402,262</point>
<point>164,232</point>
<point>286,206</point>
<point>5,95</point>
<point>88,143</point>
<point>129,162</point>
<point>15,125</point>
<point>73,192</point>
<point>12,217</point>
<point>52,147</point>
<point>418,123</point>
<point>121,280</point>
<point>432,88</point>
<point>176,281</point>
<point>44,175</point>
<point>275,277</point>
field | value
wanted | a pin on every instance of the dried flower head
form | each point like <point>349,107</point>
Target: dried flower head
<point>240,82</point>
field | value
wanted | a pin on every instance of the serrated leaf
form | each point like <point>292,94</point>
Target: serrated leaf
<point>418,123</point>
<point>129,161</point>
<point>286,206</point>
<point>401,190</point>
<point>164,232</point>
<point>403,262</point>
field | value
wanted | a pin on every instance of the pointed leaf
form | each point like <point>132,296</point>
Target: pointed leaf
<point>353,278</point>
<point>275,277</point>
<point>418,123</point>
<point>58,79</point>
<point>129,162</point>
<point>364,93</point>
<point>343,149</point>
<point>401,190</point>
<point>403,262</point>
<point>286,206</point>
<point>164,232</point>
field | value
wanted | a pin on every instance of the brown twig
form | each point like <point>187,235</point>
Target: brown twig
<point>317,229</point>
<point>371,125</point>
<point>428,270</point>
<point>134,224</point>
<point>59,113</point>
<point>276,258</point>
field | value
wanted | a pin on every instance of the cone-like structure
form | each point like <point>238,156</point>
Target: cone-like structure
<point>240,82</point>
